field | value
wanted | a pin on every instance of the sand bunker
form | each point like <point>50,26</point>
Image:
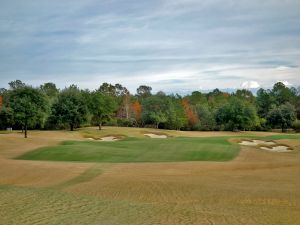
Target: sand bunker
<point>156,135</point>
<point>109,138</point>
<point>257,142</point>
<point>90,139</point>
<point>266,145</point>
<point>280,148</point>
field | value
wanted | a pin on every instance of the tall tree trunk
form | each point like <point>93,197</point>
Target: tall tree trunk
<point>25,135</point>
<point>100,123</point>
<point>72,126</point>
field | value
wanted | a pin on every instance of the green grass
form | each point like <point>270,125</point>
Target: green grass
<point>282,136</point>
<point>139,150</point>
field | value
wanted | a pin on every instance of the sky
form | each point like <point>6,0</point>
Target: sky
<point>171,45</point>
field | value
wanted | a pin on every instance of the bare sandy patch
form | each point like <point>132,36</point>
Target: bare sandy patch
<point>295,143</point>
<point>280,148</point>
<point>106,138</point>
<point>266,145</point>
<point>257,142</point>
<point>109,138</point>
<point>90,139</point>
<point>151,135</point>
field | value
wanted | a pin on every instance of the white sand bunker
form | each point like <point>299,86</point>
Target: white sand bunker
<point>257,142</point>
<point>280,148</point>
<point>266,145</point>
<point>109,138</point>
<point>156,135</point>
<point>90,139</point>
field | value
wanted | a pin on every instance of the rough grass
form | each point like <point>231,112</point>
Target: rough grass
<point>139,132</point>
<point>257,187</point>
<point>46,206</point>
<point>139,150</point>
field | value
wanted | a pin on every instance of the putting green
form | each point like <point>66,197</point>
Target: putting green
<point>139,150</point>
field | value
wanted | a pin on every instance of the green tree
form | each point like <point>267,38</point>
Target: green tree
<point>206,118</point>
<point>264,102</point>
<point>108,89</point>
<point>282,117</point>
<point>236,115</point>
<point>70,108</point>
<point>217,98</point>
<point>297,102</point>
<point>29,106</point>
<point>6,117</point>
<point>102,107</point>
<point>245,95</point>
<point>282,94</point>
<point>154,110</point>
<point>50,90</point>
<point>16,84</point>
<point>176,117</point>
<point>197,98</point>
<point>144,91</point>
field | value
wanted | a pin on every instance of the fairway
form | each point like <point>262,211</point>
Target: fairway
<point>139,150</point>
<point>60,177</point>
<point>161,112</point>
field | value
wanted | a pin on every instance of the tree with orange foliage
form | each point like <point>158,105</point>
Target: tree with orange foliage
<point>190,114</point>
<point>137,111</point>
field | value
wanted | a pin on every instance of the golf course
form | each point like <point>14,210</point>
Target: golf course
<point>155,112</point>
<point>147,176</point>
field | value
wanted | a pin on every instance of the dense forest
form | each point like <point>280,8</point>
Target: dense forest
<point>46,107</point>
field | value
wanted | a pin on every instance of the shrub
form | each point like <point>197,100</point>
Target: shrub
<point>111,122</point>
<point>296,125</point>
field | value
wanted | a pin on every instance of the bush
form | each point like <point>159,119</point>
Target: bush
<point>111,122</point>
<point>126,122</point>
<point>262,125</point>
<point>296,125</point>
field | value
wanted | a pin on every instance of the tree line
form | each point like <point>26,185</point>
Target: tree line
<point>26,107</point>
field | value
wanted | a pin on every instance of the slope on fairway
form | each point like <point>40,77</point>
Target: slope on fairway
<point>139,150</point>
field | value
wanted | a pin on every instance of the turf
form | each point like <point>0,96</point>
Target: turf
<point>258,187</point>
<point>282,136</point>
<point>46,206</point>
<point>139,150</point>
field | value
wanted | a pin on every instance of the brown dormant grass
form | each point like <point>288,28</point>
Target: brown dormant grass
<point>257,188</point>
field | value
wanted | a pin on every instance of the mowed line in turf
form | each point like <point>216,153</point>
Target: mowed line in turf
<point>257,187</point>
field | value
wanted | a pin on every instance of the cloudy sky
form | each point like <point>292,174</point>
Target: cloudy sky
<point>171,45</point>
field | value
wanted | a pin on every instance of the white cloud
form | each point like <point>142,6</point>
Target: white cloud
<point>207,44</point>
<point>250,84</point>
<point>286,83</point>
<point>282,68</point>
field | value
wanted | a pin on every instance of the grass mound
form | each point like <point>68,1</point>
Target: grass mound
<point>139,150</point>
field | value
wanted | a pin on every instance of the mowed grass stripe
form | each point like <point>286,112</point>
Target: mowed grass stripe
<point>22,205</point>
<point>139,150</point>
